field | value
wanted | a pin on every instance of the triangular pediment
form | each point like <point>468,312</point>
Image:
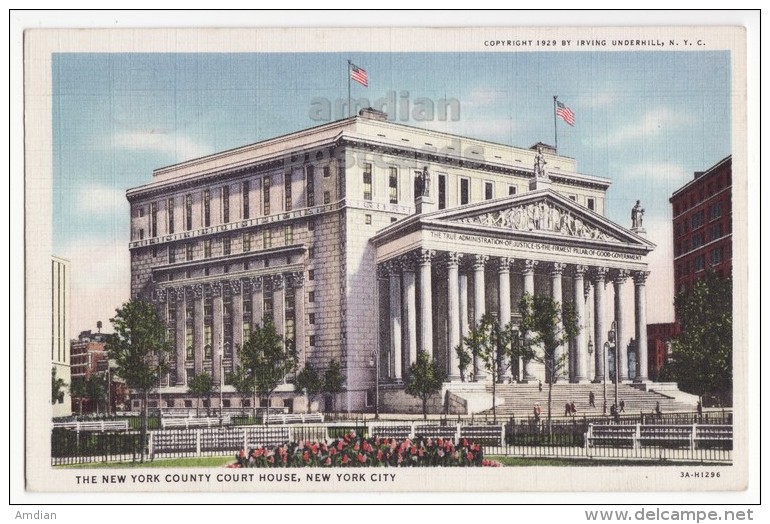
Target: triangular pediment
<point>541,213</point>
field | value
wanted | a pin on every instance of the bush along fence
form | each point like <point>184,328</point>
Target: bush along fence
<point>576,438</point>
<point>354,451</point>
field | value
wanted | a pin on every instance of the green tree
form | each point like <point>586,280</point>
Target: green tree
<point>266,361</point>
<point>140,350</point>
<point>464,359</point>
<point>702,354</point>
<point>546,325</point>
<point>243,384</point>
<point>57,387</point>
<point>93,389</point>
<point>333,382</point>
<point>201,385</point>
<point>310,381</point>
<point>425,379</point>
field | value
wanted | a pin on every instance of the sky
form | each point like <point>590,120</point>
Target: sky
<point>645,120</point>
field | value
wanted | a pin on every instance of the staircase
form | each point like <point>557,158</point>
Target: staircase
<point>519,399</point>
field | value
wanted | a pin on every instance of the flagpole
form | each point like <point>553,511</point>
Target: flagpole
<point>349,99</point>
<point>555,134</point>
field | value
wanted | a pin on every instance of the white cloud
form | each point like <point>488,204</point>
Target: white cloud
<point>180,147</point>
<point>100,281</point>
<point>102,200</point>
<point>651,124</point>
<point>658,171</point>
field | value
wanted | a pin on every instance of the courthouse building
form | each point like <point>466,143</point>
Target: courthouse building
<point>365,241</point>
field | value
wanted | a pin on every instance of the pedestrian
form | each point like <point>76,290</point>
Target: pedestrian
<point>658,412</point>
<point>536,411</point>
<point>622,406</point>
<point>573,409</point>
<point>591,399</point>
<point>567,410</point>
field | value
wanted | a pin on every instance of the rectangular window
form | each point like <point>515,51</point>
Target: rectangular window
<point>591,204</point>
<point>341,179</point>
<point>188,212</point>
<point>225,204</point>
<point>171,255</point>
<point>312,340</point>
<point>153,219</point>
<point>716,256</point>
<point>266,239</point>
<point>367,181</point>
<point>288,234</point>
<point>465,191</point>
<point>715,211</point>
<point>226,245</point>
<point>310,253</point>
<point>188,252</point>
<point>393,185</point>
<point>311,318</point>
<point>140,211</point>
<point>697,219</point>
<point>368,219</point>
<point>716,232</point>
<point>327,171</point>
<point>287,191</point>
<point>246,242</point>
<point>206,208</point>
<point>266,195</point>
<point>189,350</point>
<point>207,342</point>
<point>207,248</point>
<point>511,190</point>
<point>311,224</point>
<point>311,296</point>
<point>245,198</point>
<point>311,274</point>
<point>700,263</point>
<point>573,198</point>
<point>327,197</point>
<point>170,215</point>
<point>310,186</point>
<point>442,191</point>
<point>488,190</point>
<point>141,234</point>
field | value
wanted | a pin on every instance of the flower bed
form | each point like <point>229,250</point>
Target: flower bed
<point>353,451</point>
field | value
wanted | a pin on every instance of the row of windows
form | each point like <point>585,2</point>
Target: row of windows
<point>247,243</point>
<point>697,195</point>
<point>698,220</point>
<point>699,239</point>
<point>713,257</point>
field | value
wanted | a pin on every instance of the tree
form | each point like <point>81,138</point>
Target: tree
<point>57,387</point>
<point>310,381</point>
<point>546,326</point>
<point>140,350</point>
<point>243,384</point>
<point>266,360</point>
<point>494,347</point>
<point>425,379</point>
<point>93,389</point>
<point>201,385</point>
<point>333,382</point>
<point>702,354</point>
<point>464,359</point>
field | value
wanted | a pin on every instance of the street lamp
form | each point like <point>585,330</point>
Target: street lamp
<point>611,337</point>
<point>221,353</point>
<point>375,355</point>
<point>604,377</point>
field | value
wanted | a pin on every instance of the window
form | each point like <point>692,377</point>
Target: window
<point>140,211</point>
<point>311,296</point>
<point>327,197</point>
<point>368,219</point>
<point>245,198</point>
<point>716,256</point>
<point>698,240</point>
<point>311,224</point>
<point>154,220</point>
<point>715,232</point>
<point>188,343</point>
<point>171,255</point>
<point>700,263</point>
<point>188,212</point>
<point>442,191</point>
<point>465,191</point>
<point>141,234</point>
<point>287,191</point>
<point>206,208</point>
<point>170,214</point>
<point>393,219</point>
<point>715,211</point>
<point>246,242</point>
<point>327,171</point>
<point>310,185</point>
<point>311,274</point>
<point>310,253</point>
<point>511,190</point>
<point>207,248</point>
<point>226,246</point>
<point>573,198</point>
<point>697,219</point>
<point>154,251</point>
<point>591,203</point>
<point>488,191</point>
<point>225,204</point>
<point>367,181</point>
<point>266,195</point>
<point>312,340</point>
<point>393,185</point>
<point>207,342</point>
<point>266,240</point>
<point>311,318</point>
<point>288,234</point>
<point>188,252</point>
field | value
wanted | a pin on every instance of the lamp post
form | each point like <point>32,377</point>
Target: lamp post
<point>611,338</point>
<point>375,355</point>
<point>221,354</point>
<point>604,378</point>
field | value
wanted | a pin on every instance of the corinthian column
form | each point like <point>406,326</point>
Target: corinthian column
<point>479,307</point>
<point>279,306</point>
<point>528,275</point>
<point>237,318</point>
<point>560,354</point>
<point>181,331</point>
<point>410,310</point>
<point>257,302</point>
<point>217,339</point>
<point>581,349</point>
<point>426,301</point>
<point>640,303</point>
<point>198,321</point>
<point>504,310</point>
<point>620,342</point>
<point>453,291</point>
<point>600,331</point>
<point>394,312</point>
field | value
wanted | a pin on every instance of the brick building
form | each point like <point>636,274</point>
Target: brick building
<point>659,337</point>
<point>364,239</point>
<point>87,351</point>
<point>702,225</point>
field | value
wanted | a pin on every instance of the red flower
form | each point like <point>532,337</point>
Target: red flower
<point>340,445</point>
<point>332,452</point>
<point>314,449</point>
<point>440,443</point>
<point>420,452</point>
<point>469,456</point>
<point>361,458</point>
<point>242,454</point>
<point>356,446</point>
<point>328,461</point>
<point>413,451</point>
<point>305,456</point>
<point>271,459</point>
<point>345,459</point>
<point>379,456</point>
<point>465,442</point>
<point>285,459</point>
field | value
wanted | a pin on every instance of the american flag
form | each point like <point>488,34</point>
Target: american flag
<point>565,113</point>
<point>359,75</point>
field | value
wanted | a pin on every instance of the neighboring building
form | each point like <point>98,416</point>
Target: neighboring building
<point>659,337</point>
<point>363,238</point>
<point>702,211</point>
<point>60,354</point>
<point>87,351</point>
